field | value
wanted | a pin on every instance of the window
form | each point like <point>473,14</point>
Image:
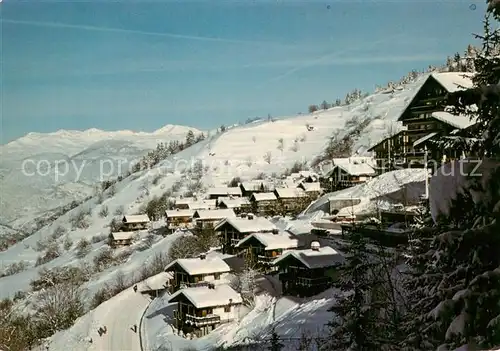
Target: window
<point>217,276</point>
<point>227,308</point>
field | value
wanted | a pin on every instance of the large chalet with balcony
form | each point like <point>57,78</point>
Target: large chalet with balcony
<point>215,193</point>
<point>207,219</point>
<point>425,117</point>
<point>199,271</point>
<point>308,272</point>
<point>345,175</point>
<point>233,229</point>
<point>179,219</point>
<point>134,222</point>
<point>202,309</point>
<point>263,248</point>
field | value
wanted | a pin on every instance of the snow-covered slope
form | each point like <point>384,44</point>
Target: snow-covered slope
<point>40,172</point>
<point>240,151</point>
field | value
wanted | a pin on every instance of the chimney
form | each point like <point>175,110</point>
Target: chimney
<point>250,216</point>
<point>243,215</point>
<point>275,231</point>
<point>315,246</point>
<point>202,256</point>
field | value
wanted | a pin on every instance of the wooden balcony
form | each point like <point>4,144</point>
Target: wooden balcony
<point>304,281</point>
<point>209,319</point>
<point>183,285</point>
<point>266,260</point>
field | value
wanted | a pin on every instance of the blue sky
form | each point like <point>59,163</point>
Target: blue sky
<point>141,65</point>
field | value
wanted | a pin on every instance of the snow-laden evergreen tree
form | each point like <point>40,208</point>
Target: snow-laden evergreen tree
<point>454,286</point>
<point>190,138</point>
<point>482,102</point>
<point>365,315</point>
<point>276,344</point>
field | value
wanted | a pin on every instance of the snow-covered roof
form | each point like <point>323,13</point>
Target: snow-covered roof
<point>122,235</point>
<point>252,186</point>
<point>214,214</point>
<point>272,241</point>
<point>286,193</point>
<point>457,121</point>
<point>295,176</point>
<point>263,196</point>
<point>234,202</point>
<point>235,191</point>
<point>203,297</point>
<point>316,186</point>
<point>306,174</point>
<point>185,200</point>
<point>135,218</point>
<point>197,266</point>
<point>246,225</point>
<point>202,205</point>
<point>356,168</point>
<point>454,81</point>
<point>323,257</point>
<point>424,138</point>
<point>179,213</point>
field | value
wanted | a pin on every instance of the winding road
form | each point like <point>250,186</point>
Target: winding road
<point>119,316</point>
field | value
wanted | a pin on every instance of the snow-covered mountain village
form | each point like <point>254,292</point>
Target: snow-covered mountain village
<point>369,223</point>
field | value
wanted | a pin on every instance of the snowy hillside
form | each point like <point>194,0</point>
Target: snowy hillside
<point>243,151</point>
<point>40,172</point>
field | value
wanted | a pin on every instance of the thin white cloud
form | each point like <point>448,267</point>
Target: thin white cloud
<point>336,54</point>
<point>138,32</point>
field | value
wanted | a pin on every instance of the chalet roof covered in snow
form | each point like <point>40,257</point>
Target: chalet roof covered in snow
<point>202,205</point>
<point>179,213</point>
<point>136,218</point>
<point>235,191</point>
<point>203,297</point>
<point>454,81</point>
<point>325,256</point>
<point>272,241</point>
<point>457,121</point>
<point>247,225</point>
<point>356,169</point>
<point>289,193</point>
<point>308,187</point>
<point>185,200</point>
<point>252,186</point>
<point>122,235</point>
<point>234,202</point>
<point>263,196</point>
<point>214,214</point>
<point>424,138</point>
<point>197,266</point>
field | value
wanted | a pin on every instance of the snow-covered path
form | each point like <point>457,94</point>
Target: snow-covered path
<point>119,316</point>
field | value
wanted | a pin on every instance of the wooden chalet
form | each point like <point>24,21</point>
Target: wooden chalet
<point>264,248</point>
<point>390,152</point>
<point>233,229</point>
<point>179,219</point>
<point>292,199</point>
<point>312,189</point>
<point>199,271</point>
<point>183,203</point>
<point>207,219</point>
<point>118,239</point>
<point>237,204</point>
<point>249,188</point>
<point>420,117</point>
<point>263,203</point>
<point>135,222</point>
<point>350,174</point>
<point>191,203</point>
<point>308,272</point>
<point>215,193</point>
<point>202,309</point>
